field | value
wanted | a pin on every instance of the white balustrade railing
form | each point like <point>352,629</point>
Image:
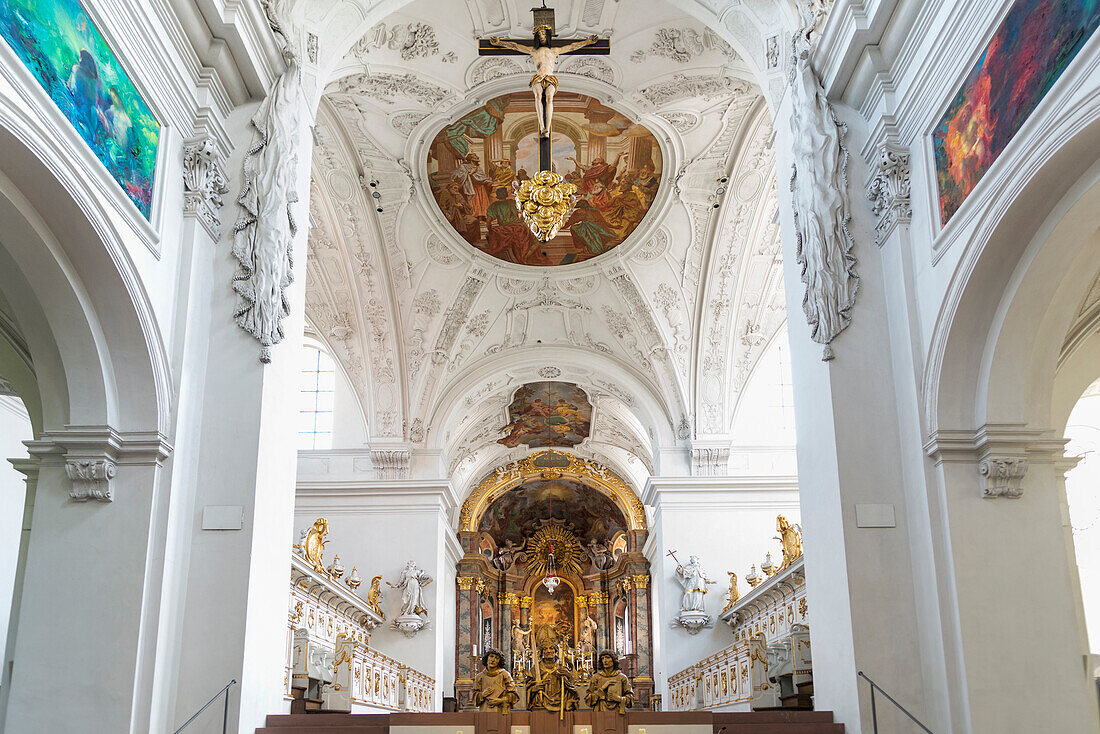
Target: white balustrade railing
<point>324,611</point>
<point>771,616</point>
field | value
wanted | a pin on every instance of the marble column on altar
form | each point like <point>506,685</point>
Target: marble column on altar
<point>506,600</point>
<point>464,671</point>
<point>604,634</point>
<point>643,645</point>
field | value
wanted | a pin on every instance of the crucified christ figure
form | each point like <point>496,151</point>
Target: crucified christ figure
<point>543,84</point>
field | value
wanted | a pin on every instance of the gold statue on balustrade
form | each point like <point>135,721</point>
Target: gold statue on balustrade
<point>790,536</point>
<point>312,546</point>
<point>734,593</point>
<point>374,596</point>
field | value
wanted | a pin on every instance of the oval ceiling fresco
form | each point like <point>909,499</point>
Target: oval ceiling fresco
<point>614,162</point>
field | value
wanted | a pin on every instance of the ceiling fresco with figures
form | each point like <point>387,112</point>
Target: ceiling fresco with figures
<point>614,162</point>
<point>590,515</point>
<point>661,331</point>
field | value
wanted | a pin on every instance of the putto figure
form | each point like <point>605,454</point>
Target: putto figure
<point>494,689</point>
<point>543,84</point>
<point>608,688</point>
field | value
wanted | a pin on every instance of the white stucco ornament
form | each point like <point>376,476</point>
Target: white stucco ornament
<point>694,582</point>
<point>819,197</point>
<point>263,234</point>
<point>413,616</point>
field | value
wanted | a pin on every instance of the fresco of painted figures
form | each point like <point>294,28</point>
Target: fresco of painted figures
<point>519,512</point>
<point>547,414</point>
<point>1032,47</point>
<point>614,162</point>
<point>62,48</point>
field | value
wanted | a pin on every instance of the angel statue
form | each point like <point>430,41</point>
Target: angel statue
<point>412,584</point>
<point>790,535</point>
<point>374,596</point>
<point>543,84</point>
<point>312,546</point>
<point>734,593</point>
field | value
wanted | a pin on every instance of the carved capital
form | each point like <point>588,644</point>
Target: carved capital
<point>888,189</point>
<point>710,461</point>
<point>465,582</point>
<point>1003,476</point>
<point>390,463</point>
<point>204,184</point>
<point>641,581</point>
<point>91,478</point>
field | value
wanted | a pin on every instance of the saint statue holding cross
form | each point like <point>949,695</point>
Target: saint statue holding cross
<point>543,84</point>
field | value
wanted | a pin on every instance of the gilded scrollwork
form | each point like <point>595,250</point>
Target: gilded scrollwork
<point>591,473</point>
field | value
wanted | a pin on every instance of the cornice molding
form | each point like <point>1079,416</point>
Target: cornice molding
<point>1000,453</point>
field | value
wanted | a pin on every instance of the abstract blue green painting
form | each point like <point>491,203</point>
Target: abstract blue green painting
<point>65,52</point>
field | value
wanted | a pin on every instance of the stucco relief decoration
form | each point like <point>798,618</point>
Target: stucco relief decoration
<point>889,190</point>
<point>682,45</point>
<point>263,235</point>
<point>204,184</point>
<point>614,163</point>
<point>819,188</point>
<point>1002,477</point>
<point>91,479</point>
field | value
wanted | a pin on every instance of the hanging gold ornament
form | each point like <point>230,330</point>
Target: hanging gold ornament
<point>544,202</point>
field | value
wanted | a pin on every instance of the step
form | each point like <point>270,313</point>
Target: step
<point>776,716</point>
<point>328,720</point>
<point>307,729</point>
<point>776,728</point>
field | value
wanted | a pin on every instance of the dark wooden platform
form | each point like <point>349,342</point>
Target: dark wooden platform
<point>663,722</point>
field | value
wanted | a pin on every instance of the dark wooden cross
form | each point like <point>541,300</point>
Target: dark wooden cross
<point>542,37</point>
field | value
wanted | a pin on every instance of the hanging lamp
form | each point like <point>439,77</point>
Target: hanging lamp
<point>550,580</point>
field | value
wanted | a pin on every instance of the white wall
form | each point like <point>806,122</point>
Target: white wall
<point>1083,494</point>
<point>730,524</point>
<point>378,527</point>
<point>15,427</point>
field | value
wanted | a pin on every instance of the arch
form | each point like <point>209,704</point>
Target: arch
<point>64,263</point>
<point>551,466</point>
<point>998,337</point>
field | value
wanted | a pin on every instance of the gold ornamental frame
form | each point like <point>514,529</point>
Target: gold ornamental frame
<point>565,466</point>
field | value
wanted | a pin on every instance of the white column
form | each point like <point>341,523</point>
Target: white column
<point>729,522</point>
<point>860,580</point>
<point>233,608</point>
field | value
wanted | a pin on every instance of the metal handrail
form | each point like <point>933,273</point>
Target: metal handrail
<point>225,712</point>
<point>874,712</point>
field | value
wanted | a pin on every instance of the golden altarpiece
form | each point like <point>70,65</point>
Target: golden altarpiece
<point>595,525</point>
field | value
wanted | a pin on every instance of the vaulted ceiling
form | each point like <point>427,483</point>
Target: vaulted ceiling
<point>662,332</point>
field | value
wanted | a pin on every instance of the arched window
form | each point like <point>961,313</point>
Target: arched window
<point>318,383</point>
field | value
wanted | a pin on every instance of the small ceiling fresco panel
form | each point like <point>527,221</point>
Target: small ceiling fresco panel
<point>592,515</point>
<point>548,414</point>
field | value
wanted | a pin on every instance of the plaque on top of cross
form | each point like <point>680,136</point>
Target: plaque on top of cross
<point>544,50</point>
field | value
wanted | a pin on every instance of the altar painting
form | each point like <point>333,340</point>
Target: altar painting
<point>614,161</point>
<point>68,57</point>
<point>547,414</point>
<point>1032,47</point>
<point>552,616</point>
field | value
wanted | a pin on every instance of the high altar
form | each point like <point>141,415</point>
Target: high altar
<point>596,527</point>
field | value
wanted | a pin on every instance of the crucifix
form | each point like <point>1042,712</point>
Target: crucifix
<point>544,50</point>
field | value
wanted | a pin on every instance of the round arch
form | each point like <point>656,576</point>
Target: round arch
<point>998,338</point>
<point>551,464</point>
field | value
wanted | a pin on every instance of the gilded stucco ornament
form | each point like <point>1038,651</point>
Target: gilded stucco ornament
<point>544,201</point>
<point>566,466</point>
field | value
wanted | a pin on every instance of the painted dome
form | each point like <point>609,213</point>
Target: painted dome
<point>614,161</point>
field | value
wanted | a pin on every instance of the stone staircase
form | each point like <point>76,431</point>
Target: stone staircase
<point>758,722</point>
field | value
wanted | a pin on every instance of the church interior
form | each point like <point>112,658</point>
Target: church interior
<point>599,367</point>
